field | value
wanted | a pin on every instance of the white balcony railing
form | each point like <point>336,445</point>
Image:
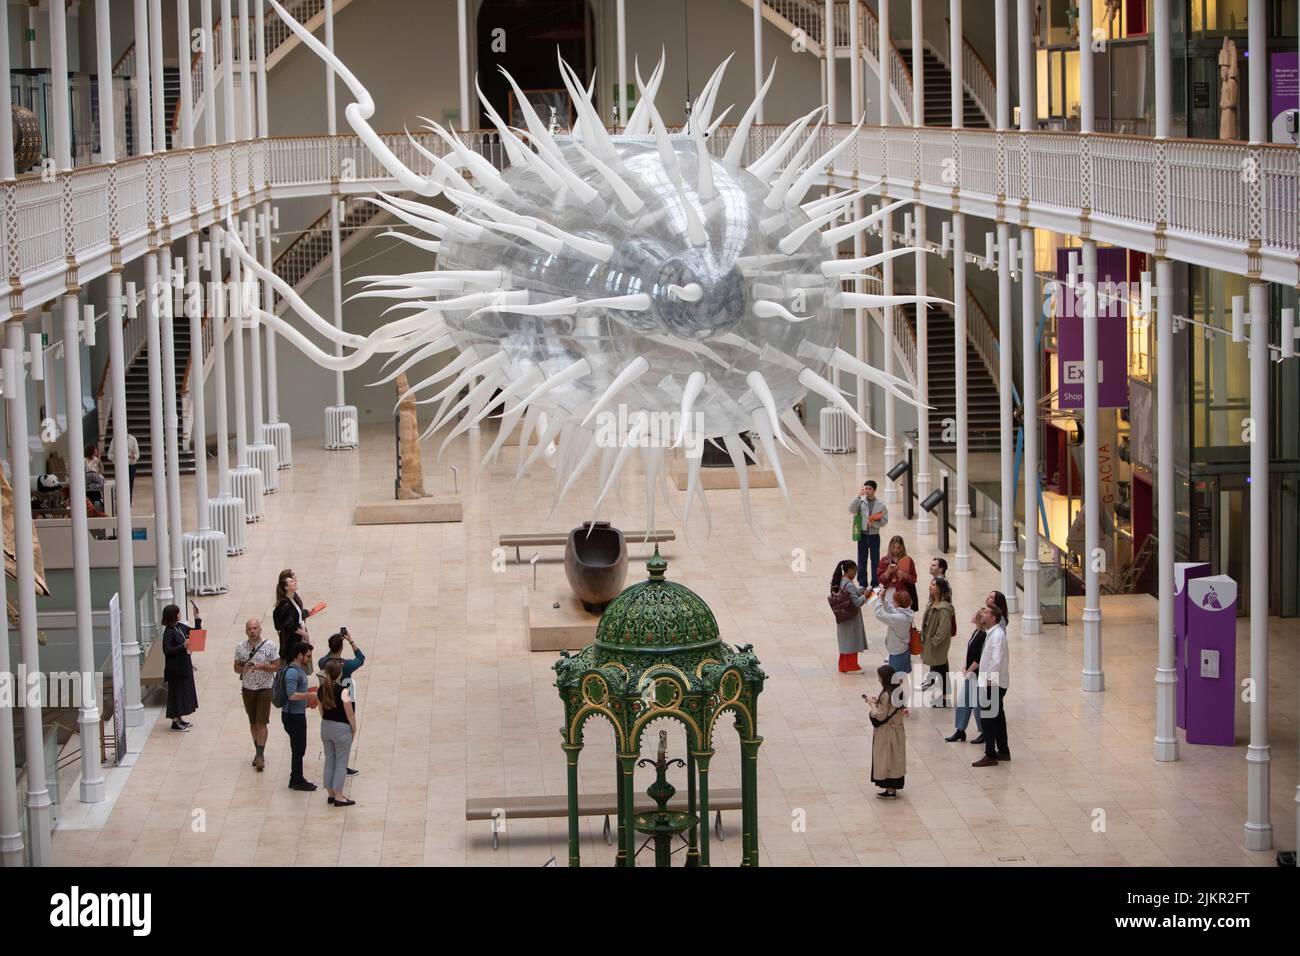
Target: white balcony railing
<point>1231,206</point>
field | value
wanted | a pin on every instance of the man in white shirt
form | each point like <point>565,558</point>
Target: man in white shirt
<point>994,677</point>
<point>132,458</point>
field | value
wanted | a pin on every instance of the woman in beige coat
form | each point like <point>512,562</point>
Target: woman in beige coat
<point>937,628</point>
<point>889,742</point>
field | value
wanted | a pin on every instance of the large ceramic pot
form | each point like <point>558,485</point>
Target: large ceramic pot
<point>596,564</point>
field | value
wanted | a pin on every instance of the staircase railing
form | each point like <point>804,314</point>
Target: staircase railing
<point>133,343</point>
<point>809,18</point>
<point>976,79</point>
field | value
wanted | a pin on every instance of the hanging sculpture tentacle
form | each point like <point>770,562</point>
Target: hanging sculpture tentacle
<point>613,291</point>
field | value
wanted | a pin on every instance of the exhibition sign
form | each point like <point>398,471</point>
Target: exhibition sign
<point>1112,329</point>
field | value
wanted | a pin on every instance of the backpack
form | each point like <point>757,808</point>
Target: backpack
<point>279,696</point>
<point>842,606</point>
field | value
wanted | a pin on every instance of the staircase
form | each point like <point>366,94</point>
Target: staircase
<point>279,41</point>
<point>938,94</point>
<point>171,97</point>
<point>982,400</point>
<point>137,401</point>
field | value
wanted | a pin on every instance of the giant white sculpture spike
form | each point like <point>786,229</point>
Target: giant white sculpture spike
<point>638,123</point>
<point>357,113</point>
<point>634,370</point>
<point>819,165</point>
<point>736,148</point>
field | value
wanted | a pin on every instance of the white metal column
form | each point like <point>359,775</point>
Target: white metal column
<point>758,59</point>
<point>205,548</point>
<point>92,773</point>
<point>1166,739</point>
<point>226,510</point>
<point>1093,678</point>
<point>887,267</point>
<point>828,51</point>
<point>261,454</point>
<point>245,82</point>
<point>143,113</point>
<point>341,418</point>
<point>462,46</point>
<point>1031,617</point>
<point>1258,832</point>
<point>245,480</point>
<point>924,520</point>
<point>228,75</point>
<point>59,118</point>
<point>171,424</point>
<point>1007,547</point>
<point>620,28</point>
<point>163,594</point>
<point>161,122</point>
<point>11,840</point>
<point>38,797</point>
<point>209,74</point>
<point>855,63</point>
<point>962,560</point>
<point>273,431</point>
<point>131,654</point>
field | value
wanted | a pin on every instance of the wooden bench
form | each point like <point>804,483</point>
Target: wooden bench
<point>589,805</point>
<point>543,539</point>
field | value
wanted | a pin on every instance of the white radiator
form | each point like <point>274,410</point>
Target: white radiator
<point>340,427</point>
<point>110,497</point>
<point>277,434</point>
<point>227,516</point>
<point>838,432</point>
<point>262,457</point>
<point>246,483</point>
<point>206,568</point>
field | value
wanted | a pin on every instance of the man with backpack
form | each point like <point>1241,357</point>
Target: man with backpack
<point>290,693</point>
<point>256,663</point>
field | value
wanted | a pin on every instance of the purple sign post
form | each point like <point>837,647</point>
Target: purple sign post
<point>1184,571</point>
<point>1284,98</point>
<point>1112,330</point>
<point>1212,660</point>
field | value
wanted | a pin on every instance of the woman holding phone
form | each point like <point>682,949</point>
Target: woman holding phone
<point>338,728</point>
<point>178,668</point>
<point>290,615</point>
<point>897,569</point>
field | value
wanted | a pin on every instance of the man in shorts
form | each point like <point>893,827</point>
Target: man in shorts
<point>256,661</point>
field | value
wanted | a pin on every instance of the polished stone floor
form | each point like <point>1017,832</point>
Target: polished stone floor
<point>453,704</point>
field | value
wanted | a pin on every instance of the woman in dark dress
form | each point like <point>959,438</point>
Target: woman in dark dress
<point>178,669</point>
<point>289,616</point>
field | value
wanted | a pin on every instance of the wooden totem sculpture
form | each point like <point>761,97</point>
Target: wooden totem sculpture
<point>410,472</point>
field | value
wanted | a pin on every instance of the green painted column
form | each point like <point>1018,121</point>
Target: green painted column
<point>620,859</point>
<point>571,752</point>
<point>692,852</point>
<point>701,759</point>
<point>628,767</point>
<point>749,796</point>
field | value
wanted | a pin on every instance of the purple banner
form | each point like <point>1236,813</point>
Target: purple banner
<point>1284,97</point>
<point>1112,329</point>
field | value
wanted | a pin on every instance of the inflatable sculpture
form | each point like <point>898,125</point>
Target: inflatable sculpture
<point>632,291</point>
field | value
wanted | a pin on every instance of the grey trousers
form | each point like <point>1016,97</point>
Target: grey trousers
<point>336,739</point>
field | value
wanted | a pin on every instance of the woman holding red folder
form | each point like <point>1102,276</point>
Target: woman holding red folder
<point>290,615</point>
<point>178,668</point>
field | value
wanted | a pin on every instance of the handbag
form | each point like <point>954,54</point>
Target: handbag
<point>913,640</point>
<point>842,606</point>
<point>857,526</point>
